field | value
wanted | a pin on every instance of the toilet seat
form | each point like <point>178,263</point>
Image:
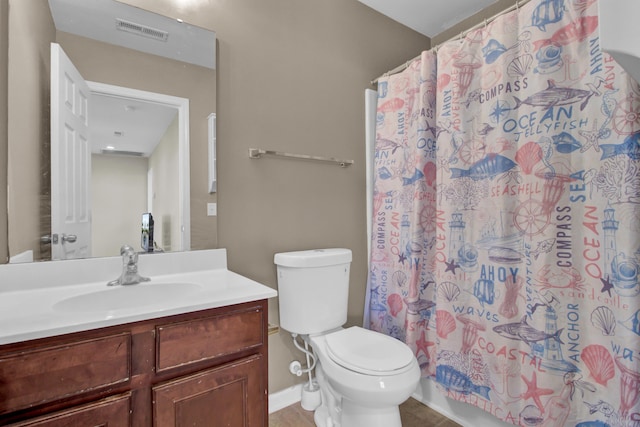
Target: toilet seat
<point>368,352</point>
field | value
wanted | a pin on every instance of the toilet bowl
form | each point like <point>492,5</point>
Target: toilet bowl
<point>363,376</point>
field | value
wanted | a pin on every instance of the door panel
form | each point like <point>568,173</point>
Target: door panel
<point>70,160</point>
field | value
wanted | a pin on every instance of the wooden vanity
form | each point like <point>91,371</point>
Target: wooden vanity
<point>204,368</point>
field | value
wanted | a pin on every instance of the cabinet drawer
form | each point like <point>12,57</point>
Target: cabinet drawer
<point>45,374</point>
<point>203,339</point>
<point>112,412</point>
<point>229,395</point>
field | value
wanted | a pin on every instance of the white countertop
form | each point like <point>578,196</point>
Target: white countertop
<point>39,300</point>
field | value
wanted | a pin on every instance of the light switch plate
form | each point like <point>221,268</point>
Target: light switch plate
<point>212,209</point>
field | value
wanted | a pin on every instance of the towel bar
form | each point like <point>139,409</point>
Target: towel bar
<point>256,153</point>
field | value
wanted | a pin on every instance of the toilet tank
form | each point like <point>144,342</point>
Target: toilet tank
<point>313,289</point>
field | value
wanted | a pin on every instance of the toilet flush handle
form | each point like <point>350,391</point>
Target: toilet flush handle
<point>295,368</point>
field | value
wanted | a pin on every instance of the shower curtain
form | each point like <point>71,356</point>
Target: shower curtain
<point>506,217</point>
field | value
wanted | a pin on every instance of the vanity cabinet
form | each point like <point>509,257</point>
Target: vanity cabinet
<point>205,368</point>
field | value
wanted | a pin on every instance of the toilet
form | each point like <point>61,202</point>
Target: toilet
<point>363,375</point>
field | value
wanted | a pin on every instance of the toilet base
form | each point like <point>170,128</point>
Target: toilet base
<point>355,415</point>
<point>359,416</point>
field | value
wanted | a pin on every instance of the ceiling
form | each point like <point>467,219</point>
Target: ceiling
<point>428,17</point>
<point>132,127</point>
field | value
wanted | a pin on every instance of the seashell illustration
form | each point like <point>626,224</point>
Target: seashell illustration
<point>443,80</point>
<point>520,66</point>
<point>399,278</point>
<point>493,50</point>
<point>449,291</point>
<point>599,362</point>
<point>633,323</point>
<point>565,143</point>
<point>528,156</point>
<point>445,323</point>
<point>429,172</point>
<point>395,304</point>
<point>604,319</point>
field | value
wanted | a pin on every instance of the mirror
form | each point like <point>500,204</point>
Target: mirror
<point>119,65</point>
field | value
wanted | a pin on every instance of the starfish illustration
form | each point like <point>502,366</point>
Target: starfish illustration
<point>534,392</point>
<point>402,258</point>
<point>451,266</point>
<point>592,137</point>
<point>606,285</point>
<point>423,345</point>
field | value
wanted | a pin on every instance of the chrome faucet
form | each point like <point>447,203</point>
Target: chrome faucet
<point>129,274</point>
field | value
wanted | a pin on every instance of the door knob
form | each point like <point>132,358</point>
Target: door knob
<point>70,238</point>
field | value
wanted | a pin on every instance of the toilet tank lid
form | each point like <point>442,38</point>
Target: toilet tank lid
<point>313,258</point>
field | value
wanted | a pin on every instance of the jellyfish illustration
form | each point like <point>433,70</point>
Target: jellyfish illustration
<point>469,332</point>
<point>599,362</point>
<point>629,385</point>
<point>604,319</point>
<point>467,66</point>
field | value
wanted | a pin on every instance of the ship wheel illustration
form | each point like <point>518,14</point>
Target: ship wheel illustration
<point>472,151</point>
<point>530,217</point>
<point>427,219</point>
<point>533,216</point>
<point>626,116</point>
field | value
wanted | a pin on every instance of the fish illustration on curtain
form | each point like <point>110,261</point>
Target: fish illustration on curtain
<point>527,279</point>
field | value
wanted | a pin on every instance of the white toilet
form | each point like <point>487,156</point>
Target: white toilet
<point>363,375</point>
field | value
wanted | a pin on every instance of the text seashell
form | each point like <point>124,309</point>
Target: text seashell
<point>599,362</point>
<point>445,323</point>
<point>604,319</point>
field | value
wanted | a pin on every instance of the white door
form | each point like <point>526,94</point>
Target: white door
<point>70,160</point>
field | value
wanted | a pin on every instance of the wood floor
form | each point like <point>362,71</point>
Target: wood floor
<point>412,413</point>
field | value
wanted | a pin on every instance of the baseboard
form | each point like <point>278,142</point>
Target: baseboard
<point>283,398</point>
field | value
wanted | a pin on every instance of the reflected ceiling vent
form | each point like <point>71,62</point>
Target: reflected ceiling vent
<point>141,30</point>
<point>122,153</point>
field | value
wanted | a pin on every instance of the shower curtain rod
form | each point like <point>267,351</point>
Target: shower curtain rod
<point>484,23</point>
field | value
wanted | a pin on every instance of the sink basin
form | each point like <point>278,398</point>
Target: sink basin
<point>127,297</point>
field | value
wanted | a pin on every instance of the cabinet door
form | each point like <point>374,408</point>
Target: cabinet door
<point>230,395</point>
<point>110,412</point>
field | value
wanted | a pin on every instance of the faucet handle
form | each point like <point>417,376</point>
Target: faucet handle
<point>126,250</point>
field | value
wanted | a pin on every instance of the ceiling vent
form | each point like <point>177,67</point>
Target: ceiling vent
<point>141,30</point>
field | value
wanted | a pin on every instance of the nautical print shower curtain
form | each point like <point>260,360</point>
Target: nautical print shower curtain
<point>526,260</point>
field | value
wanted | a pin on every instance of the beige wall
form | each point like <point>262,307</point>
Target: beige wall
<point>166,212</point>
<point>119,197</point>
<point>291,77</point>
